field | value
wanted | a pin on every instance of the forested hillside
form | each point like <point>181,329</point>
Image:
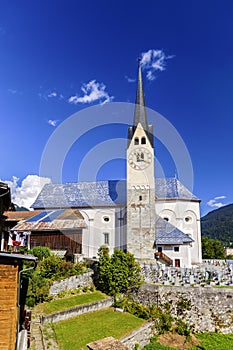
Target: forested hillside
<point>218,224</point>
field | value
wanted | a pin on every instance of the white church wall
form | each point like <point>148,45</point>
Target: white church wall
<point>185,215</point>
<point>104,227</point>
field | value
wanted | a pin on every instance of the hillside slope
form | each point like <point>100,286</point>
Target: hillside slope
<point>218,224</point>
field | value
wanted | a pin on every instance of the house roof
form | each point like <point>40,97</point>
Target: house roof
<point>20,215</point>
<point>109,193</point>
<point>10,256</point>
<point>52,220</point>
<point>166,233</point>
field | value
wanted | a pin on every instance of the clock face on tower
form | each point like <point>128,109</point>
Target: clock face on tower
<point>140,158</point>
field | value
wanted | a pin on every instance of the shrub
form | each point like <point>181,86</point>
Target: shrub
<point>49,269</point>
<point>182,328</point>
<point>182,305</point>
<point>163,322</point>
<point>40,252</point>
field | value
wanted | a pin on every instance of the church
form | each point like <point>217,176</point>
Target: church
<point>156,219</point>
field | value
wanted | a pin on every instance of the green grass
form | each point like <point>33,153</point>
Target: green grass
<point>214,341</point>
<point>66,303</point>
<point>79,331</point>
<point>209,341</point>
<point>158,346</point>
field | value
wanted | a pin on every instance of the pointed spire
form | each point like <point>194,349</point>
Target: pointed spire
<point>140,108</point>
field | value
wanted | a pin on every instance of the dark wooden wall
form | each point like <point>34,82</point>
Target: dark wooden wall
<point>56,240</point>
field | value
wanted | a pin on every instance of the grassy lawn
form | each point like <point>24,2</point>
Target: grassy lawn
<point>209,341</point>
<point>215,341</point>
<point>65,303</point>
<point>79,331</point>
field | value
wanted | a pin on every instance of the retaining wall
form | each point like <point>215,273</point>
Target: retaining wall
<point>140,336</point>
<point>206,309</point>
<point>77,310</point>
<point>73,282</point>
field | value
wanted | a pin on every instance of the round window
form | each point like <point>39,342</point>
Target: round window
<point>106,218</point>
<point>188,219</point>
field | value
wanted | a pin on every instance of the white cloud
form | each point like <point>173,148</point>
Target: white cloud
<point>153,61</point>
<point>214,203</point>
<point>25,195</point>
<point>130,80</point>
<point>52,94</point>
<point>52,122</point>
<point>220,197</point>
<point>92,91</point>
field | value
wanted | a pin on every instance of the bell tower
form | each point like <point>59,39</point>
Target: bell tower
<point>140,181</point>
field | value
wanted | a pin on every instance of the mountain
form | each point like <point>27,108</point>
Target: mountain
<point>218,224</point>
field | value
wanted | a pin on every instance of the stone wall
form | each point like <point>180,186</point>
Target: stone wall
<point>140,336</point>
<point>73,282</point>
<point>206,309</point>
<point>77,310</point>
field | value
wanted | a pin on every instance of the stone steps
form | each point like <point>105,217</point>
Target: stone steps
<point>36,336</point>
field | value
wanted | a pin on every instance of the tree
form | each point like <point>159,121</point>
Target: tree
<point>212,249</point>
<point>119,273</point>
<point>104,270</point>
<point>40,252</point>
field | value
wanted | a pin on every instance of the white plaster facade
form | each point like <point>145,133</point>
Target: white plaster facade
<point>144,222</point>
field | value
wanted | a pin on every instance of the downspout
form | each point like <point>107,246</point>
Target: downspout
<point>18,301</point>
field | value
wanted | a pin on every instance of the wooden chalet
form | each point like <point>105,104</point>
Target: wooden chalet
<point>60,230</point>
<point>12,300</point>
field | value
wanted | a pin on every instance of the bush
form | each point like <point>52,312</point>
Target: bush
<point>182,328</point>
<point>163,323</point>
<point>163,320</point>
<point>40,252</point>
<point>49,269</point>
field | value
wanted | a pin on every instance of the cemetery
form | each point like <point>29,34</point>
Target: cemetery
<point>209,273</point>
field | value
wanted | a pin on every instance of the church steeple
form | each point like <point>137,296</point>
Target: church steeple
<point>140,115</point>
<point>140,108</point>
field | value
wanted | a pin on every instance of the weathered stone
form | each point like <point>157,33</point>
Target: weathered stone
<point>109,343</point>
<point>205,309</point>
<point>73,282</point>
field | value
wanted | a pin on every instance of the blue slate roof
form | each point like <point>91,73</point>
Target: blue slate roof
<point>166,233</point>
<point>82,194</point>
<point>103,193</point>
<point>172,188</point>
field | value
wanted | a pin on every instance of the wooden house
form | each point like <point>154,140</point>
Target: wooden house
<point>60,230</point>
<point>12,298</point>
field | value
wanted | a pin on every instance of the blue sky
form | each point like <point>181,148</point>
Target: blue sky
<point>59,57</point>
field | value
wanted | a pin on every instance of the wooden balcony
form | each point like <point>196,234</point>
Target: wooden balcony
<point>164,257</point>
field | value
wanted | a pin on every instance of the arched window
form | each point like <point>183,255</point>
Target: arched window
<point>136,141</point>
<point>143,140</point>
<point>106,238</point>
<point>142,156</point>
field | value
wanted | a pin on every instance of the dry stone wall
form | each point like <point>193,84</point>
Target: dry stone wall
<point>206,309</point>
<point>74,282</point>
<point>140,336</point>
<point>77,310</point>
